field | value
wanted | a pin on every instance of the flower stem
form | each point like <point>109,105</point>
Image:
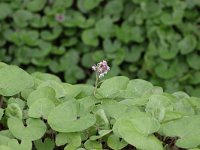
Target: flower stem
<point>96,84</point>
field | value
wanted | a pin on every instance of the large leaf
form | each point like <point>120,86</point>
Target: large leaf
<point>112,86</point>
<point>42,93</point>
<point>131,135</point>
<point>41,108</point>
<point>24,145</point>
<point>58,87</point>
<point>34,130</point>
<point>187,129</point>
<point>158,106</point>
<point>139,87</point>
<point>113,109</point>
<point>14,80</point>
<point>72,117</point>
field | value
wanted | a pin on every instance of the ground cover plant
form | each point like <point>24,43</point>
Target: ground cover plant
<point>140,39</point>
<point>40,112</point>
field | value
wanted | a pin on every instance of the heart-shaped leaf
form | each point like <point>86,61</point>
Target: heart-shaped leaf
<point>130,134</point>
<point>41,108</point>
<point>112,86</point>
<point>42,93</point>
<point>35,128</point>
<point>24,145</point>
<point>47,144</point>
<point>115,143</point>
<point>72,117</point>
<point>184,129</point>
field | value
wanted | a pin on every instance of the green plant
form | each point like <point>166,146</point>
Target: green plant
<point>151,40</point>
<point>38,111</point>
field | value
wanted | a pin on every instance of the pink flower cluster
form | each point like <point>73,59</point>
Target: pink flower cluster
<point>60,17</point>
<point>101,68</point>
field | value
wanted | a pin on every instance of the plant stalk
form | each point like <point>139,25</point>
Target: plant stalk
<point>96,84</point>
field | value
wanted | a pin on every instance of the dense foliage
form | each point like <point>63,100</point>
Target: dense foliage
<point>40,112</point>
<point>157,40</point>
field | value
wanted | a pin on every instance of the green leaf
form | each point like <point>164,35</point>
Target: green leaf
<point>134,54</point>
<point>50,35</point>
<point>24,145</point>
<point>5,10</point>
<point>113,85</point>
<point>92,145</point>
<point>195,78</point>
<point>113,9</point>
<point>186,128</point>
<point>58,87</point>
<point>104,27</point>
<point>62,3</point>
<point>36,5</point>
<point>115,143</point>
<point>41,108</point>
<point>72,139</point>
<point>71,90</point>
<point>47,144</point>
<point>22,18</point>
<point>13,110</point>
<point>139,87</point>
<point>61,139</point>
<point>158,106</point>
<point>110,46</point>
<point>151,9</point>
<point>34,130</point>
<point>45,76</point>
<point>89,37</point>
<point>87,5</point>
<point>87,102</point>
<point>72,117</point>
<point>87,60</point>
<point>161,68</point>
<point>102,120</point>
<point>193,61</point>
<point>17,101</point>
<point>113,109</point>
<point>14,80</point>
<point>188,44</point>
<point>4,140</point>
<point>101,134</point>
<point>42,93</point>
<point>5,147</point>
<point>131,135</point>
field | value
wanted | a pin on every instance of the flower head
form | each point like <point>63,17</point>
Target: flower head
<point>60,17</point>
<point>101,68</point>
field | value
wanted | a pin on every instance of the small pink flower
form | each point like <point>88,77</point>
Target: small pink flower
<point>101,68</point>
<point>60,17</point>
